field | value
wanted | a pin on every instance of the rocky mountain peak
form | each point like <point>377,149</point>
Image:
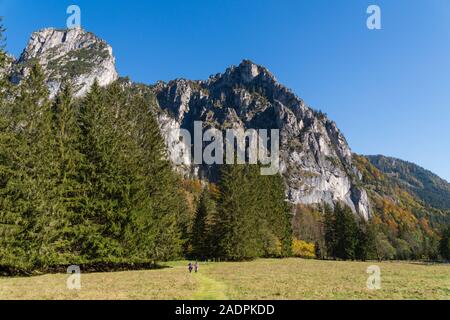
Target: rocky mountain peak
<point>315,158</point>
<point>245,73</point>
<point>72,54</point>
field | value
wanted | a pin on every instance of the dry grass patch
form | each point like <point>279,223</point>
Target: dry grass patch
<point>165,284</point>
<point>313,279</point>
<point>262,279</point>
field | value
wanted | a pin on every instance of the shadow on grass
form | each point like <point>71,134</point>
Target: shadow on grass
<point>429,263</point>
<point>6,271</point>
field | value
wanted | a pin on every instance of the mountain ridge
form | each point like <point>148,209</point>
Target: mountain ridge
<point>316,160</point>
<point>73,54</point>
<point>423,183</point>
<point>319,168</point>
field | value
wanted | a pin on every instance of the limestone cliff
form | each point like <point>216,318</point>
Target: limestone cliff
<point>316,160</point>
<point>68,54</point>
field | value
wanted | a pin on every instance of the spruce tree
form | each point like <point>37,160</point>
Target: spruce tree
<point>444,244</point>
<point>102,220</point>
<point>11,218</point>
<point>39,160</point>
<point>330,232</point>
<point>255,219</point>
<point>203,231</point>
<point>5,85</point>
<point>346,232</point>
<point>269,244</point>
<point>238,222</point>
<point>274,213</point>
<point>165,206</point>
<point>26,158</point>
<point>67,196</point>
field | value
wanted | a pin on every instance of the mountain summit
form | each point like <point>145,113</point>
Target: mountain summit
<point>316,160</point>
<point>68,54</point>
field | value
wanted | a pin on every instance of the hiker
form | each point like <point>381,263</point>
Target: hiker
<point>196,267</point>
<point>190,267</point>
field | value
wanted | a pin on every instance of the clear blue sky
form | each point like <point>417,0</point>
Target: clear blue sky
<point>388,90</point>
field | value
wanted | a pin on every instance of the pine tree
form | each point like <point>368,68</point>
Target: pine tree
<point>67,194</point>
<point>343,238</point>
<point>25,161</point>
<point>255,219</point>
<point>283,214</point>
<point>38,157</point>
<point>5,85</point>
<point>165,206</point>
<point>330,232</point>
<point>274,213</point>
<point>237,231</point>
<point>102,221</point>
<point>203,231</point>
<point>11,219</point>
<point>268,240</point>
<point>365,244</point>
<point>346,233</point>
<point>444,244</point>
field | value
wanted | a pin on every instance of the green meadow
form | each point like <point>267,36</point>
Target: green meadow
<point>296,279</point>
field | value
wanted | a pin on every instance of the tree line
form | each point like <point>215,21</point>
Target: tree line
<point>337,233</point>
<point>88,182</point>
<point>84,181</point>
<point>246,217</point>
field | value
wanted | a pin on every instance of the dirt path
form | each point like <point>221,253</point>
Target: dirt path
<point>209,289</point>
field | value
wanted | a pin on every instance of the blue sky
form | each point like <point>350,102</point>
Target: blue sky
<point>388,90</point>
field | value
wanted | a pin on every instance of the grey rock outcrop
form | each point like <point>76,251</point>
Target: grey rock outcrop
<point>316,160</point>
<point>6,70</point>
<point>68,54</point>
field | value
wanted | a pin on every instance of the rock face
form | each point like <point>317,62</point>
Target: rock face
<point>316,160</point>
<point>68,54</point>
<point>7,68</point>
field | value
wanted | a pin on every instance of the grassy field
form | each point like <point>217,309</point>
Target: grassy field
<point>261,279</point>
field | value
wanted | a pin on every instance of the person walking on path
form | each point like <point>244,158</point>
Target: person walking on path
<point>196,267</point>
<point>190,267</point>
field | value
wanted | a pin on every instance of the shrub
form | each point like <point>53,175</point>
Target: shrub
<point>303,249</point>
